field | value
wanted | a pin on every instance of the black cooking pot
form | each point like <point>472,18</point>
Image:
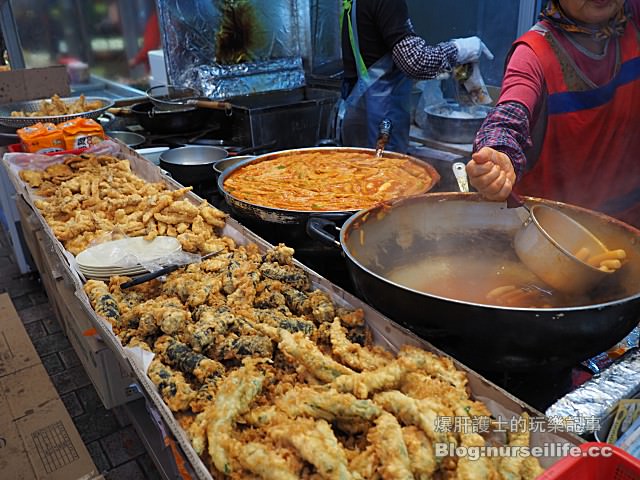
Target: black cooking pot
<point>160,121</point>
<point>193,164</point>
<point>423,229</point>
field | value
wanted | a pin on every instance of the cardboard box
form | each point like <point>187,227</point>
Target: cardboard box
<point>33,83</point>
<point>37,437</point>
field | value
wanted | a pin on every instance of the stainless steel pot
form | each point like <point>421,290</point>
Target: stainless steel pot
<point>486,337</point>
<point>191,165</point>
<point>452,123</point>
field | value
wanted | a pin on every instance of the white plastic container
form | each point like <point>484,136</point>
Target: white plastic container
<point>157,68</point>
<point>152,154</point>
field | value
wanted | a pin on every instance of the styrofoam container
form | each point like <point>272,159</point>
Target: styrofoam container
<point>157,67</point>
<point>152,154</point>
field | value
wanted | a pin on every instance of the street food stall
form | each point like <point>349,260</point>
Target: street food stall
<point>311,310</point>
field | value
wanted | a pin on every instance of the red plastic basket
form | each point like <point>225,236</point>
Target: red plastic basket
<point>17,148</point>
<point>618,466</point>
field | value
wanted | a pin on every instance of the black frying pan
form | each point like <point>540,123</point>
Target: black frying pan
<point>154,120</point>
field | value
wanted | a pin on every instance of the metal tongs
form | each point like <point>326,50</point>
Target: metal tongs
<point>165,270</point>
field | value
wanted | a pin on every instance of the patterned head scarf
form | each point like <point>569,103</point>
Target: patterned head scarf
<point>554,14</point>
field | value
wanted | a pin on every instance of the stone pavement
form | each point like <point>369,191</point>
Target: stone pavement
<point>108,435</point>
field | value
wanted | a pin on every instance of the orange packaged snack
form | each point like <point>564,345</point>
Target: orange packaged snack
<point>41,138</point>
<point>81,133</point>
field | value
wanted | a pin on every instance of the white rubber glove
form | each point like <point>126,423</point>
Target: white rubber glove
<point>470,49</point>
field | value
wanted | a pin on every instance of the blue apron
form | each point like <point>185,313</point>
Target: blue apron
<point>382,91</point>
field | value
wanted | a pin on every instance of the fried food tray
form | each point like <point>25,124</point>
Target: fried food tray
<point>34,105</point>
<point>386,333</point>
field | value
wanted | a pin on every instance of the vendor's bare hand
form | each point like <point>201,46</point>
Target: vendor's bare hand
<point>491,173</point>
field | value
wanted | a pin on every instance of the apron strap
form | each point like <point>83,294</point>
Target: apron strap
<point>349,7</point>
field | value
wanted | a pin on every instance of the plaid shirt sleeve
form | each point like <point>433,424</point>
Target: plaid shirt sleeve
<point>506,129</point>
<point>421,61</point>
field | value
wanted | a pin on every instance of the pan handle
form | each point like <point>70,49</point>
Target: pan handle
<point>226,106</point>
<point>317,229</point>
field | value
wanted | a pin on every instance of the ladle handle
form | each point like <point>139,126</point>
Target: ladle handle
<point>213,105</point>
<point>460,172</point>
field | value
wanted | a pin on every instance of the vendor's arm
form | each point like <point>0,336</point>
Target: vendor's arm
<point>421,61</point>
<point>499,146</point>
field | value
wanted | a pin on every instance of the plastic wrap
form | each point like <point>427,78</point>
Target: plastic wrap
<point>325,46</point>
<point>125,252</point>
<point>596,397</point>
<point>269,59</point>
<point>38,161</point>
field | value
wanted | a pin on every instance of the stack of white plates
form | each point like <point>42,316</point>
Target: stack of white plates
<point>125,257</point>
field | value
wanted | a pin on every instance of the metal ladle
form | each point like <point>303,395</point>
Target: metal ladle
<point>547,243</point>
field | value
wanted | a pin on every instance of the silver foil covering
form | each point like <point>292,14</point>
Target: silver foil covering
<point>189,36</point>
<point>224,81</point>
<point>596,397</point>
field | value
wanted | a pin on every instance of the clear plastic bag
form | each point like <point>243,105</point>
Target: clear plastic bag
<point>125,252</point>
<point>431,95</point>
<point>37,161</point>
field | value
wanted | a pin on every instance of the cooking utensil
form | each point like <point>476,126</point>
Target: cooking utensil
<point>486,337</point>
<point>174,98</point>
<point>175,122</point>
<point>192,164</point>
<point>130,139</point>
<point>547,243</point>
<point>460,172</point>
<point>165,270</point>
<point>34,105</point>
<point>262,213</point>
<point>452,123</point>
<point>384,133</point>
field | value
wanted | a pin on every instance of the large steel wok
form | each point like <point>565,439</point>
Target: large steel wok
<point>271,215</point>
<point>486,337</point>
<point>296,220</point>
